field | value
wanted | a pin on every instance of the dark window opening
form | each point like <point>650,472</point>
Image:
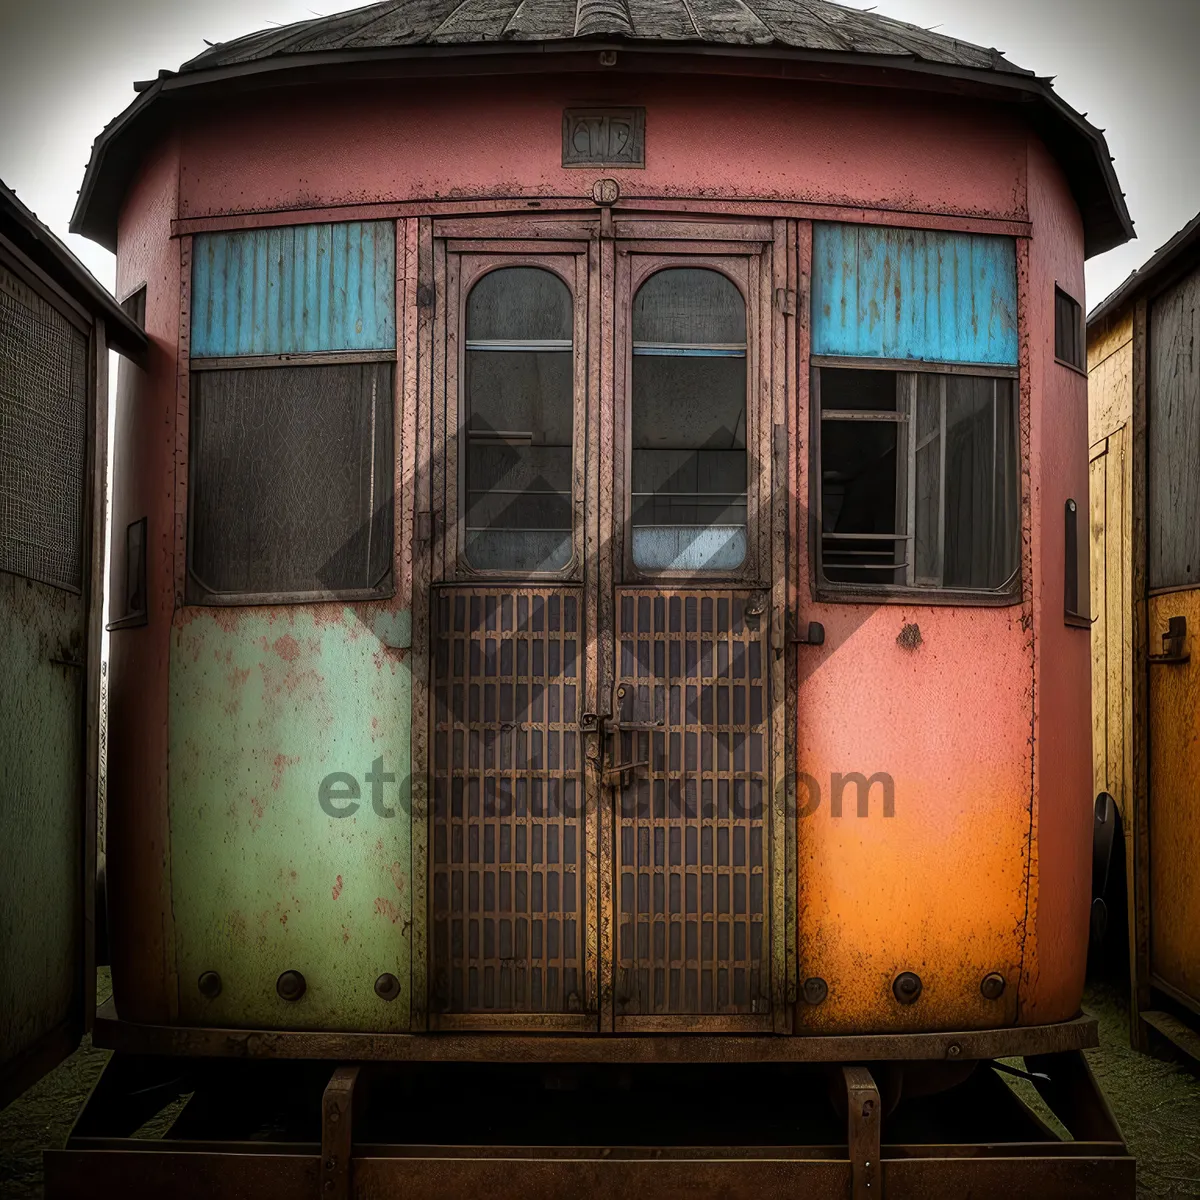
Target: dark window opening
<point>291,481</point>
<point>1068,330</point>
<point>919,483</point>
<point>519,399</point>
<point>688,408</point>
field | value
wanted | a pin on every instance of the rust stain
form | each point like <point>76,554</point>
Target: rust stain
<point>398,876</point>
<point>385,908</point>
<point>281,764</point>
<point>287,647</point>
<point>337,890</point>
<point>259,808</point>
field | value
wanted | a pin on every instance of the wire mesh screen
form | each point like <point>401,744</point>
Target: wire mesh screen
<point>291,479</point>
<point>43,438</point>
<point>691,704</point>
<point>508,820</point>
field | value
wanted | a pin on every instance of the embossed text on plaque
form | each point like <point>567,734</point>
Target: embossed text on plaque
<point>604,137</point>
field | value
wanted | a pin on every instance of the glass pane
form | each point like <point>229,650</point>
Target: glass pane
<point>931,396</point>
<point>291,477</point>
<point>519,388</point>
<point>861,501</point>
<point>982,509</point>
<point>858,391</point>
<point>689,467</point>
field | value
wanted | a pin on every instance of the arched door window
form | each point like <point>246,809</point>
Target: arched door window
<point>518,421</point>
<point>688,410</point>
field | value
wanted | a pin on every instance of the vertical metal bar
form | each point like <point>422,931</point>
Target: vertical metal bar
<point>404,435</point>
<point>337,1134</point>
<point>443,406</point>
<point>863,1120</point>
<point>182,417</point>
<point>910,497</point>
<point>455,425</point>
<point>798,342</point>
<point>941,531</point>
<point>422,279</point>
<point>774,680</point>
<point>612,325</point>
<point>589,413</point>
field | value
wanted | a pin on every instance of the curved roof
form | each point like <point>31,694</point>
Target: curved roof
<point>798,24</point>
<point>824,35</point>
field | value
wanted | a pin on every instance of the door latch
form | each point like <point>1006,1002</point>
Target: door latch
<point>813,635</point>
<point>1173,640</point>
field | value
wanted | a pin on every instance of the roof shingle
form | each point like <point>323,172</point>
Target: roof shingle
<point>798,24</point>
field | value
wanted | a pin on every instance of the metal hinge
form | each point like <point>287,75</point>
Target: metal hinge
<point>423,529</point>
<point>785,301</point>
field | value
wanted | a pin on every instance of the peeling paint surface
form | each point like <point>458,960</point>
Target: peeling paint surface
<point>41,749</point>
<point>265,705</point>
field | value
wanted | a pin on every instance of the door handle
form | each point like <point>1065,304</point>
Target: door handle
<point>1173,640</point>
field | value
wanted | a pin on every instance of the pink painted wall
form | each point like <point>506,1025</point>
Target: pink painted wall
<point>722,136</point>
<point>940,888</point>
<point>1060,884</point>
<point>139,852</point>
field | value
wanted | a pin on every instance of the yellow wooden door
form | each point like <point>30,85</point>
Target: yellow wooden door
<point>1173,612</point>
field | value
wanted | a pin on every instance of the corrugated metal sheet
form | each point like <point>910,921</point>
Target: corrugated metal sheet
<point>803,24</point>
<point>914,294</point>
<point>300,289</point>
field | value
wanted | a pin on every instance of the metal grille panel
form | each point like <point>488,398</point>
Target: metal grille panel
<point>507,826</point>
<point>43,438</point>
<point>691,700</point>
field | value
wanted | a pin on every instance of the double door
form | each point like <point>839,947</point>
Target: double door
<point>605,836</point>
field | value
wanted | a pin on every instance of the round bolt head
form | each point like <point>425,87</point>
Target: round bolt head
<point>606,192</point>
<point>209,984</point>
<point>290,985</point>
<point>815,990</point>
<point>953,1050</point>
<point>387,986</point>
<point>992,986</point>
<point>907,987</point>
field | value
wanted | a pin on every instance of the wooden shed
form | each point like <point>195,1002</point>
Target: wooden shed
<point>56,327</point>
<point>1144,423</point>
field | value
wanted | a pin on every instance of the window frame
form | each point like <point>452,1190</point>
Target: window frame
<point>197,592</point>
<point>826,590</point>
<point>742,263</point>
<point>466,266</point>
<point>1080,334</point>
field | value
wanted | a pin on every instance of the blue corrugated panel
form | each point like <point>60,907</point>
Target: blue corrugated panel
<point>294,290</point>
<point>914,294</point>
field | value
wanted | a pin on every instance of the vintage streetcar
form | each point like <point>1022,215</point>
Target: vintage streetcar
<point>599,672</point>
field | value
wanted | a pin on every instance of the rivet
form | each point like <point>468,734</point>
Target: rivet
<point>815,990</point>
<point>387,986</point>
<point>907,987</point>
<point>953,1050</point>
<point>992,986</point>
<point>290,985</point>
<point>209,984</point>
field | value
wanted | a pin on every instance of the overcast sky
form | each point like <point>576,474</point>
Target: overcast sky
<point>67,67</point>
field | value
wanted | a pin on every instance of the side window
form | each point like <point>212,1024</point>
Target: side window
<point>1068,330</point>
<point>918,480</point>
<point>291,453</point>
<point>518,402</point>
<point>915,401</point>
<point>688,422</point>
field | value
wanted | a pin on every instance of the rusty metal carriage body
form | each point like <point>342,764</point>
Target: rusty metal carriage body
<point>409,802</point>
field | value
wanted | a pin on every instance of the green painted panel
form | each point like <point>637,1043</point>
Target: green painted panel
<point>41,806</point>
<point>266,704</point>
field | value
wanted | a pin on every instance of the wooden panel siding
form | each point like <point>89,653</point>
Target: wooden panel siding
<point>293,290</point>
<point>1174,431</point>
<point>914,294</point>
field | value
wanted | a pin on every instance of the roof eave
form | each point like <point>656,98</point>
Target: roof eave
<point>1106,218</point>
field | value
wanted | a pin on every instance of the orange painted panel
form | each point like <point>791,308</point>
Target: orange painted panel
<point>1174,810</point>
